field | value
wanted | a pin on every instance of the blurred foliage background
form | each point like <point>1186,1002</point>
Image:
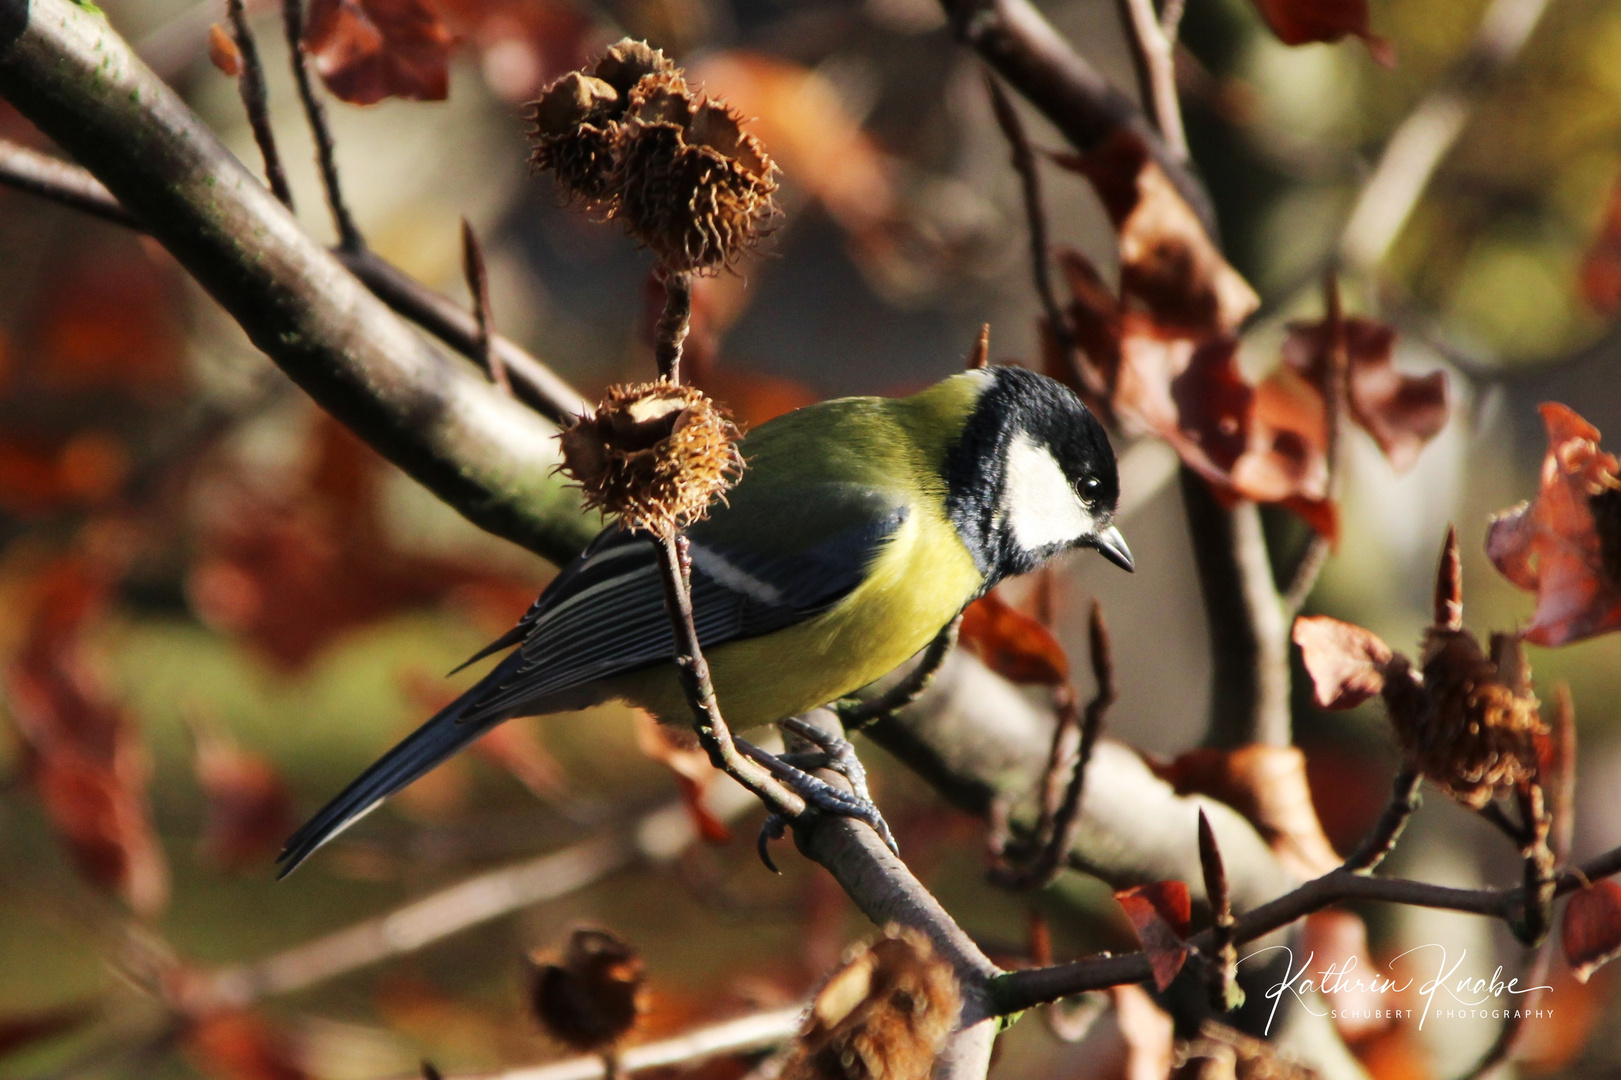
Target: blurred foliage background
<point>244,602</point>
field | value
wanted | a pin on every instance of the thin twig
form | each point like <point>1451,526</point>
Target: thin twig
<point>670,333</point>
<point>1024,163</point>
<point>256,100</point>
<point>1381,839</point>
<point>1225,994</point>
<point>326,155</point>
<point>857,714</point>
<point>1065,779</point>
<point>63,182</point>
<point>478,283</point>
<point>675,569</point>
<point>744,1035</point>
<point>535,384</point>
<point>1155,52</point>
<point>1537,912</point>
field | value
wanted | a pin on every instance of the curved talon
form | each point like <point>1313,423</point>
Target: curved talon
<point>836,753</point>
<point>774,827</point>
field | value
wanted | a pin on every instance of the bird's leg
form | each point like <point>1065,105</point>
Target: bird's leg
<point>833,752</point>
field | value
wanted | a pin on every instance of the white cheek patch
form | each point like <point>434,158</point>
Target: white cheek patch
<point>1038,504</point>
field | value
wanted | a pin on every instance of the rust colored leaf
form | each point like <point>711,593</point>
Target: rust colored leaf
<point>1301,22</point>
<point>239,1044</point>
<point>80,751</point>
<point>223,52</point>
<point>1591,932</point>
<point>368,50</point>
<point>1601,266</point>
<point>523,44</point>
<point>591,996</point>
<point>1566,545</point>
<point>1346,662</point>
<point>885,1013</point>
<point>1401,412</point>
<point>1012,644</point>
<point>1169,268</point>
<point>291,568</point>
<point>1160,913</point>
<point>250,810</point>
<point>1268,786</point>
<point>690,765</point>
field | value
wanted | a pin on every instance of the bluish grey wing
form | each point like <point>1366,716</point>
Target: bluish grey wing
<point>606,616</point>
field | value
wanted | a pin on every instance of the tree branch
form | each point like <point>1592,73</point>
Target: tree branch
<point>482,453</point>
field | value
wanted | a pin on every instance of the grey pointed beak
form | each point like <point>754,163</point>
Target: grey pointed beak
<point>1112,546</point>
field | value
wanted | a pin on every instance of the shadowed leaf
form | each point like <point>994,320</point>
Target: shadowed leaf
<point>1160,913</point>
<point>1013,644</point>
<point>368,50</point>
<point>1346,663</point>
<point>1591,932</point>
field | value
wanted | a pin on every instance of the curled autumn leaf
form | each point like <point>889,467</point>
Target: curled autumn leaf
<point>1346,663</point>
<point>80,751</point>
<point>223,52</point>
<point>1401,412</point>
<point>591,996</point>
<point>1601,265</point>
<point>1268,786</point>
<point>1591,932</point>
<point>1013,644</point>
<point>1565,546</point>
<point>1302,22</point>
<point>250,810</point>
<point>1160,913</point>
<point>368,50</point>
<point>885,1013</point>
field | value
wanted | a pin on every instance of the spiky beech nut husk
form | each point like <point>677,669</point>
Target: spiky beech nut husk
<point>656,455</point>
<point>591,996</point>
<point>628,61</point>
<point>572,128</point>
<point>1472,725</point>
<point>692,184</point>
<point>883,1015</point>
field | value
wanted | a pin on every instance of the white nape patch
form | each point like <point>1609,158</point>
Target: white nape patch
<point>1038,504</point>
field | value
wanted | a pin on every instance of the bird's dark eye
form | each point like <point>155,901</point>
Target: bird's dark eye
<point>1092,483</point>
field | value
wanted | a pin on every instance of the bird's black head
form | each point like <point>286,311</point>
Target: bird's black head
<point>1032,475</point>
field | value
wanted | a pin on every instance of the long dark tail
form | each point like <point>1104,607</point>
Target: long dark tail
<point>424,748</point>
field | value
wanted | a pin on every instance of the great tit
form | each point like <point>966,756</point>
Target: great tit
<point>860,528</point>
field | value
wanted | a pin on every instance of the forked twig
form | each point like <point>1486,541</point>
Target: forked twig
<point>1065,780</point>
<point>256,100</point>
<point>1153,50</point>
<point>326,154</point>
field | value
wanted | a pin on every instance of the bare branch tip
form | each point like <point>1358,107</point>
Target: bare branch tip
<point>981,355</point>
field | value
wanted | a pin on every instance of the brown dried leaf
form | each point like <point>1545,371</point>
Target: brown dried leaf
<point>1346,663</point>
<point>1301,22</point>
<point>1169,268</point>
<point>80,751</point>
<point>223,52</point>
<point>368,50</point>
<point>1012,644</point>
<point>239,1044</point>
<point>1160,912</point>
<point>690,765</point>
<point>250,810</point>
<point>884,1014</point>
<point>1601,266</point>
<point>1591,932</point>
<point>1401,412</point>
<point>1566,545</point>
<point>1268,786</point>
<point>591,997</point>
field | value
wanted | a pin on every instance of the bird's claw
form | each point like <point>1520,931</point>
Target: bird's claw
<point>793,772</point>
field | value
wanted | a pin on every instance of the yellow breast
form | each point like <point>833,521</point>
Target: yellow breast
<point>920,580</point>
